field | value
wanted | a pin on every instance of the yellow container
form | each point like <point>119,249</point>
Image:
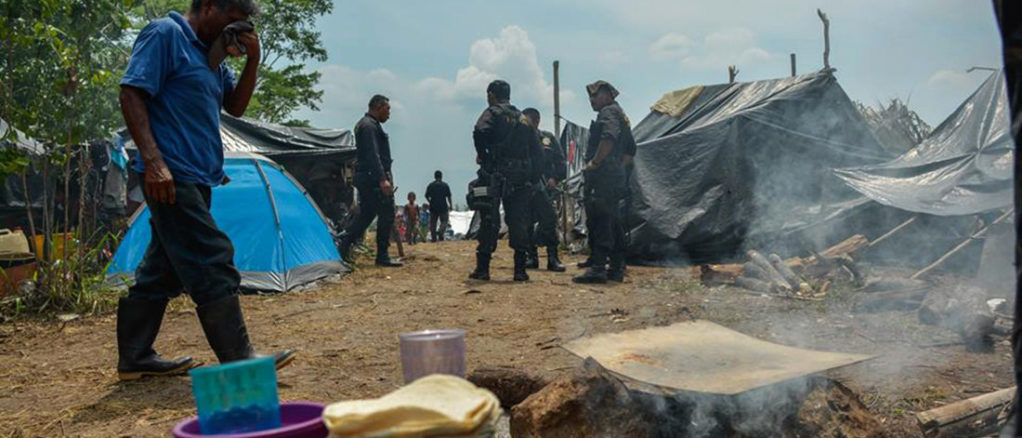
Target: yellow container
<point>61,242</point>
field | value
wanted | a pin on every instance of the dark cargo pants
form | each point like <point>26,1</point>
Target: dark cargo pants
<point>187,252</point>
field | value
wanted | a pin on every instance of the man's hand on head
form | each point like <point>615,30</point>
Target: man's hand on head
<point>251,42</point>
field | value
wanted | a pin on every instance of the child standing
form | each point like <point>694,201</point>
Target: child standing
<point>412,219</point>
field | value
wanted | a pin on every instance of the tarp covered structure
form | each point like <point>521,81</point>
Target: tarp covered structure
<point>717,165</point>
<point>281,239</point>
<point>319,158</point>
<point>964,167</point>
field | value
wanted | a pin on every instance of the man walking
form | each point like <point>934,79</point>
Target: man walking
<point>171,97</point>
<point>508,153</point>
<point>438,194</point>
<point>542,203</point>
<point>374,182</point>
<point>608,153</point>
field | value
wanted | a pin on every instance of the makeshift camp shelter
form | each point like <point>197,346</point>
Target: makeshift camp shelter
<point>718,165</point>
<point>281,238</point>
<point>964,167</point>
<point>322,160</point>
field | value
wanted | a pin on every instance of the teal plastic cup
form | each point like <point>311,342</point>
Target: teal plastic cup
<point>237,397</point>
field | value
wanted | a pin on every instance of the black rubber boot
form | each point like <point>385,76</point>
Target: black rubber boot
<point>138,323</point>
<point>553,262</point>
<point>225,330</point>
<point>482,271</point>
<point>532,259</point>
<point>521,262</point>
<point>587,263</point>
<point>593,275</point>
<point>345,250</point>
<point>616,272</point>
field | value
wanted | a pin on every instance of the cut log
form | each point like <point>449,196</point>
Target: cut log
<point>752,270</point>
<point>776,279</point>
<point>977,416</point>
<point>753,284</point>
<point>785,270</point>
<point>726,274</point>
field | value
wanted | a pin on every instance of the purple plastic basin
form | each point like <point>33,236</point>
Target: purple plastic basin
<point>299,419</point>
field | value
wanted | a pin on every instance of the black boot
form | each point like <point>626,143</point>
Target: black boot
<point>388,262</point>
<point>532,259</point>
<point>587,263</point>
<point>616,272</point>
<point>138,323</point>
<point>593,275</point>
<point>345,250</point>
<point>482,271</point>
<point>225,330</point>
<point>521,261</point>
<point>553,262</point>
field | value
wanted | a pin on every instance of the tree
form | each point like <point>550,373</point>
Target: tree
<point>289,41</point>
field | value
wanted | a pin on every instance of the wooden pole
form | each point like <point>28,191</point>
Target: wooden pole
<point>900,227</point>
<point>962,245</point>
<point>557,99</point>
<point>826,39</point>
<point>793,65</point>
<point>732,73</point>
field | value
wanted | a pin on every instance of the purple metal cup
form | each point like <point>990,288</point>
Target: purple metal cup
<point>432,352</point>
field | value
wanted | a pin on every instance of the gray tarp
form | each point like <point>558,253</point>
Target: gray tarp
<point>964,167</point>
<point>744,160</point>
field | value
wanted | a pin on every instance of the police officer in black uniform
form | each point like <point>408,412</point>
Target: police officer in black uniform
<point>508,152</point>
<point>610,148</point>
<point>374,183</point>
<point>543,225</point>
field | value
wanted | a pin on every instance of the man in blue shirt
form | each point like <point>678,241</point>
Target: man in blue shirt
<point>171,99</point>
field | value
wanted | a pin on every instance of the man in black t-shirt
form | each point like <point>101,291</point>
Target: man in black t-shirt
<point>438,195</point>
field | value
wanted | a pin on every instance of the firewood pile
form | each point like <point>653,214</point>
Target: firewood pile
<point>799,277</point>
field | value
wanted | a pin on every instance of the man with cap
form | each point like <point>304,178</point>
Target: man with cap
<point>610,147</point>
<point>374,182</point>
<point>542,204</point>
<point>509,155</point>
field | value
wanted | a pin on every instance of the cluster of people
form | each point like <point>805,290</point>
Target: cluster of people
<point>520,167</point>
<point>429,219</point>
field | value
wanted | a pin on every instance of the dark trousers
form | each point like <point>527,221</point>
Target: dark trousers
<point>543,225</point>
<point>604,197</point>
<point>517,216</point>
<point>372,204</point>
<point>187,252</point>
<point>440,218</point>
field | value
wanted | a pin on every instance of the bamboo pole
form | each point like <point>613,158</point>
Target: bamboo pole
<point>826,39</point>
<point>962,245</point>
<point>894,230</point>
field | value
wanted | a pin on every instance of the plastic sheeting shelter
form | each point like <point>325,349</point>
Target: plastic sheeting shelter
<point>281,239</point>
<point>718,165</point>
<point>964,167</point>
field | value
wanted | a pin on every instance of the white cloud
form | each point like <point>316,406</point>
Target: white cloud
<point>670,46</point>
<point>734,46</point>
<point>510,56</point>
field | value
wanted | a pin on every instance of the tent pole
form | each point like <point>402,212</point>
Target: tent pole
<point>793,74</point>
<point>557,133</point>
<point>826,39</point>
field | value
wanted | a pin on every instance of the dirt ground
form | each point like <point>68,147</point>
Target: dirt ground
<point>60,380</point>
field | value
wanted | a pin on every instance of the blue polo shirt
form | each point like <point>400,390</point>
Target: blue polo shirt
<point>170,63</point>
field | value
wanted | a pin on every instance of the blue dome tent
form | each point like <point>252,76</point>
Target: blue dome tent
<point>281,238</point>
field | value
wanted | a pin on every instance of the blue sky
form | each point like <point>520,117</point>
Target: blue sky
<point>434,58</point>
